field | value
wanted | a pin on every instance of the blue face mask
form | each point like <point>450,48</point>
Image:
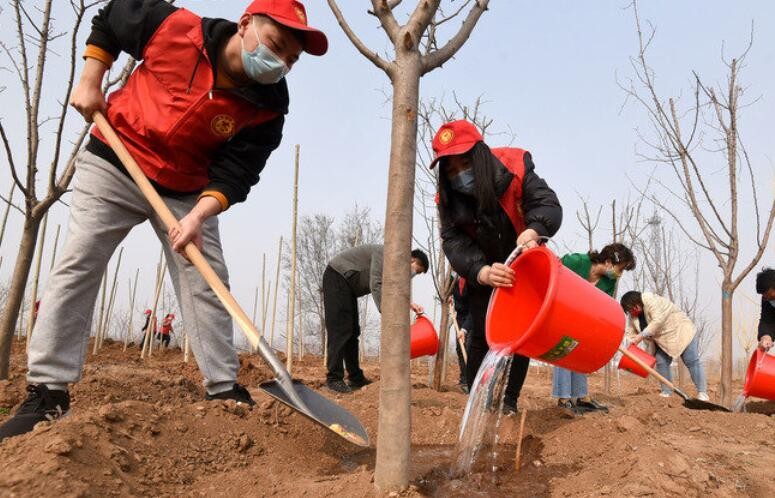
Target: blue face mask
<point>262,65</point>
<point>612,273</point>
<point>464,182</point>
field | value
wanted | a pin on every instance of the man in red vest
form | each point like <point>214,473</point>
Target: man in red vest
<point>201,114</point>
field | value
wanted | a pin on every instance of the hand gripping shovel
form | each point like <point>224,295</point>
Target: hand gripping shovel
<point>689,402</point>
<point>292,393</point>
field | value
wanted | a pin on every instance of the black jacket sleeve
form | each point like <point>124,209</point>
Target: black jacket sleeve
<point>540,205</point>
<point>767,320</point>
<point>128,25</point>
<point>238,164</point>
<point>465,256</point>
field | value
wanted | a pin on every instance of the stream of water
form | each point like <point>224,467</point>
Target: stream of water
<point>739,405</point>
<point>481,420</point>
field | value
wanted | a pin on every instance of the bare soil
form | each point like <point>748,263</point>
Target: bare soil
<point>141,428</point>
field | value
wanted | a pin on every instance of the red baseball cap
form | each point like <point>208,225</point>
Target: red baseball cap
<point>293,15</point>
<point>454,138</point>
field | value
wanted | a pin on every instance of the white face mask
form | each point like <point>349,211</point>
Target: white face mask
<point>262,65</point>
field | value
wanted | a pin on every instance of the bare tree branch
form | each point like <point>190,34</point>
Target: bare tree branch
<point>11,164</point>
<point>439,57</point>
<point>356,41</point>
<point>383,10</point>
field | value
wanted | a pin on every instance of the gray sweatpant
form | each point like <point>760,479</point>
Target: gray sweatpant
<point>106,204</point>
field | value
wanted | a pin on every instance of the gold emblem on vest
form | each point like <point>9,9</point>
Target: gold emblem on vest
<point>223,125</point>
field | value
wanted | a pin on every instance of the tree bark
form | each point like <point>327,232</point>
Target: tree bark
<point>36,281</point>
<point>16,292</point>
<point>132,293</point>
<point>102,311</point>
<point>394,431</point>
<point>106,322</point>
<point>441,356</point>
<point>5,213</point>
<point>726,344</point>
<point>292,292</point>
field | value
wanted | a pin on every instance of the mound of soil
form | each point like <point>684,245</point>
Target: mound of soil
<point>141,428</point>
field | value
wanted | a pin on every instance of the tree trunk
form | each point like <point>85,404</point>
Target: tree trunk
<point>726,343</point>
<point>292,292</point>
<point>441,356</point>
<point>5,213</point>
<point>132,293</point>
<point>105,327</point>
<point>36,281</point>
<point>300,317</point>
<point>102,311</point>
<point>16,292</point>
<point>394,430</point>
<point>54,250</point>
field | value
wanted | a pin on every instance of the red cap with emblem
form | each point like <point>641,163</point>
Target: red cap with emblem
<point>293,15</point>
<point>452,139</point>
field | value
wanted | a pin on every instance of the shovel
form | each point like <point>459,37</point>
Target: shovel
<point>689,402</point>
<point>289,392</point>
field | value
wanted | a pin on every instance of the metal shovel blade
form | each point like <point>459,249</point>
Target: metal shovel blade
<point>320,410</point>
<point>698,404</point>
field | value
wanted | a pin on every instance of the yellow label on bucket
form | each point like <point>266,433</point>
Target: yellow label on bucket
<point>561,349</point>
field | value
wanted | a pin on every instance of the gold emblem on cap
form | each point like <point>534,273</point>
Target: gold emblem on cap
<point>446,136</point>
<point>223,125</point>
<point>300,15</point>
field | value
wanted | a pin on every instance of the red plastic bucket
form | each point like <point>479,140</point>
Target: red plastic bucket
<point>627,364</point>
<point>553,315</point>
<point>424,340</point>
<point>760,378</point>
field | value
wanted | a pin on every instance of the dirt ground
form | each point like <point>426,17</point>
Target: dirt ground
<point>140,428</point>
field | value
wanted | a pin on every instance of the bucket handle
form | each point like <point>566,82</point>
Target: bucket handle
<point>518,250</point>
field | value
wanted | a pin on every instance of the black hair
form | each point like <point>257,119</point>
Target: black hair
<point>484,165</point>
<point>422,258</point>
<point>616,253</point>
<point>765,280</point>
<point>630,300</point>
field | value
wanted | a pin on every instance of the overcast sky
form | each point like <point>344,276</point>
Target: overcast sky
<point>548,72</point>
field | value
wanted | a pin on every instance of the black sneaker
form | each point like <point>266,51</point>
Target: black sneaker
<point>569,407</point>
<point>358,383</point>
<point>591,406</point>
<point>42,404</point>
<point>338,386</point>
<point>238,393</point>
<point>509,407</point>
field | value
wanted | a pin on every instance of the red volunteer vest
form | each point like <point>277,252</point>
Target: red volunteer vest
<point>511,200</point>
<point>169,116</point>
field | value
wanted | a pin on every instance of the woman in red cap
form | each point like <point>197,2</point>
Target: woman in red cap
<point>490,201</point>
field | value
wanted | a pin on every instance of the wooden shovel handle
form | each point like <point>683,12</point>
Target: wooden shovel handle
<point>169,220</point>
<point>653,372</point>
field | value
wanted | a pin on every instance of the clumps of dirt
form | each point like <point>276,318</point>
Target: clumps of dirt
<point>141,428</point>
